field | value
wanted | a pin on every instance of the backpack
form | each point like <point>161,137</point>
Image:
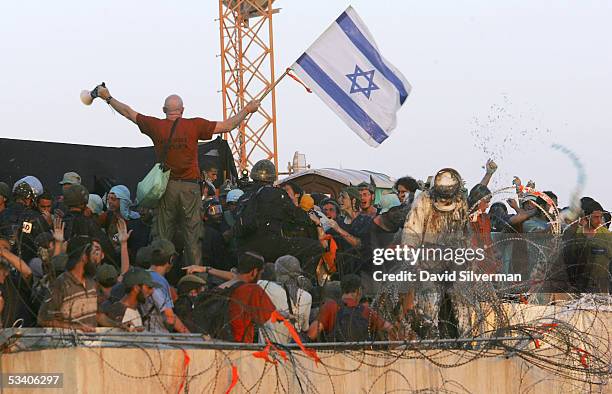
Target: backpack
<point>211,312</point>
<point>351,325</point>
<point>246,214</point>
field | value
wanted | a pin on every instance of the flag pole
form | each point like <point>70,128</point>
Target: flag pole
<point>263,96</point>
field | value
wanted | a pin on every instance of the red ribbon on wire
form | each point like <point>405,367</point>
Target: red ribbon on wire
<point>549,327</point>
<point>277,317</point>
<point>265,353</point>
<point>234,379</point>
<point>583,356</point>
<point>186,361</point>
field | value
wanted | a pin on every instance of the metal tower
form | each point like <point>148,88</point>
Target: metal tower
<point>247,70</point>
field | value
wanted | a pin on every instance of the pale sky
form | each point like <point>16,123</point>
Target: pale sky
<point>504,78</point>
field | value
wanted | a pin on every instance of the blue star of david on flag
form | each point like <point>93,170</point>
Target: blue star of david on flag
<point>368,75</point>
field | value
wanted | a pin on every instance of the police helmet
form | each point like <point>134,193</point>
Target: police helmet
<point>264,171</point>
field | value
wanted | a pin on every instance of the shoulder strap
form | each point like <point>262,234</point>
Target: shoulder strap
<point>162,159</point>
<point>288,299</point>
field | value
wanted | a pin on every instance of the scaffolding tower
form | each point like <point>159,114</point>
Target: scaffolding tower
<point>247,70</point>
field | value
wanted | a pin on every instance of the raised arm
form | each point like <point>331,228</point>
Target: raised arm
<point>117,105</point>
<point>233,122</point>
<point>124,236</point>
<point>16,262</point>
<point>490,168</point>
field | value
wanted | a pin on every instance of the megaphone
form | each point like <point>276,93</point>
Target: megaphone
<point>88,96</point>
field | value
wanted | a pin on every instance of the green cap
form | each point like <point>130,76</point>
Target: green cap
<point>106,272</point>
<point>189,282</point>
<point>138,276</point>
<point>76,196</point>
<point>71,178</point>
<point>143,257</point>
<point>161,251</point>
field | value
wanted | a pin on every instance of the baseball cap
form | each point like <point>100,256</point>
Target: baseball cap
<point>106,272</point>
<point>76,196</point>
<point>161,251</point>
<point>143,257</point>
<point>190,282</point>
<point>138,276</point>
<point>71,178</point>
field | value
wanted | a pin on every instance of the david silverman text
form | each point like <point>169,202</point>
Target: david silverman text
<point>426,276</point>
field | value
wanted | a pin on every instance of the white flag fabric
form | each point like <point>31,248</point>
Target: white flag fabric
<point>346,70</point>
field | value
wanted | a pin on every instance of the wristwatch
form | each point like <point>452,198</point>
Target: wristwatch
<point>109,99</point>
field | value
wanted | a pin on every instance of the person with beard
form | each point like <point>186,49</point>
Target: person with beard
<point>73,303</point>
<point>366,199</point>
<point>139,285</point>
<point>119,204</point>
<point>214,251</point>
<point>189,287</point>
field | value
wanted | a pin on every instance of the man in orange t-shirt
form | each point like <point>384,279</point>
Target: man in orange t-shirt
<point>181,202</point>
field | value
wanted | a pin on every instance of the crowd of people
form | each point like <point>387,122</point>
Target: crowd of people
<point>261,260</point>
<point>82,261</point>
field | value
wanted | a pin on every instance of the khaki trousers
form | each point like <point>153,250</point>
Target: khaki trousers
<point>179,210</point>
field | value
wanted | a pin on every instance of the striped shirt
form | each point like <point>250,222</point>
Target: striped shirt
<point>71,301</point>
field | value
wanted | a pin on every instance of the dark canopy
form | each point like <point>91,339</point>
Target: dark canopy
<point>98,166</point>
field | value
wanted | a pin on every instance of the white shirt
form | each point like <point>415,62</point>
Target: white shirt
<point>277,332</point>
<point>132,316</point>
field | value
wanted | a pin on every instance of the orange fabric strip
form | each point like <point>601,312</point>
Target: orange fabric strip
<point>234,379</point>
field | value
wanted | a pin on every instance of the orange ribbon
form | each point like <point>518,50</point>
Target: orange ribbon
<point>265,353</point>
<point>277,317</point>
<point>186,361</point>
<point>298,80</point>
<point>234,379</point>
<point>583,357</point>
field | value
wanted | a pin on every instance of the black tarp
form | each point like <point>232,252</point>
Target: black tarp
<point>48,161</point>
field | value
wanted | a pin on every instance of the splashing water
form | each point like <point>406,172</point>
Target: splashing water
<point>506,130</point>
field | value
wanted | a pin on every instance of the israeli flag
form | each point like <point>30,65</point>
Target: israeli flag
<point>346,70</point>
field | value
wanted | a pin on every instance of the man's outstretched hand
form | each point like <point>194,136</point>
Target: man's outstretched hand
<point>252,106</point>
<point>103,92</point>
